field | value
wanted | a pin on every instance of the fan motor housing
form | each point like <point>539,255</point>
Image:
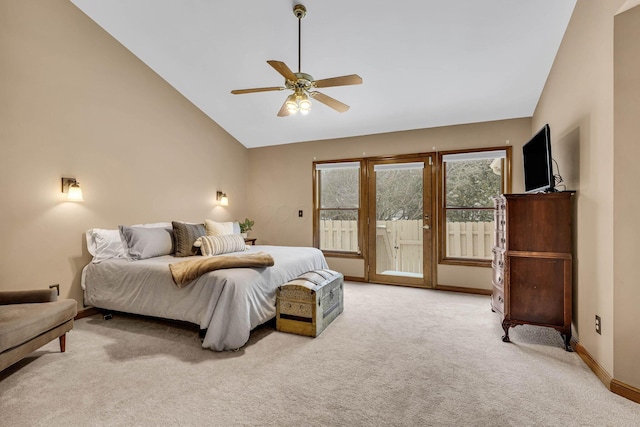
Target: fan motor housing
<point>305,81</point>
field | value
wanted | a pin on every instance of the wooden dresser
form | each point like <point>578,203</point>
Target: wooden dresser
<point>532,256</point>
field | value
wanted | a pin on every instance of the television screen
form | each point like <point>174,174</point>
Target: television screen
<point>538,167</point>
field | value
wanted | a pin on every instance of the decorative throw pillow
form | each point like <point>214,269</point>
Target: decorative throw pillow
<point>104,244</point>
<point>215,228</point>
<point>146,242</point>
<point>216,245</point>
<point>184,236</point>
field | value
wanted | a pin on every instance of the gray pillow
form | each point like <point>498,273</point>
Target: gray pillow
<point>184,235</point>
<point>146,242</point>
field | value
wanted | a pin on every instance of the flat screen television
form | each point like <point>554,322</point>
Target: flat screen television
<point>538,164</point>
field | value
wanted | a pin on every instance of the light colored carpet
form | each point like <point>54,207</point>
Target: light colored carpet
<point>396,356</point>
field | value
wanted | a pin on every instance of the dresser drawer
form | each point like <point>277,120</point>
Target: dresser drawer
<point>498,277</point>
<point>498,258</point>
<point>500,223</point>
<point>500,205</point>
<point>500,239</point>
<point>497,300</point>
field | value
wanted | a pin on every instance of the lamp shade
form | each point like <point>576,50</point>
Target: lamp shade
<point>75,193</point>
<point>305,104</point>
<point>292,105</point>
<point>222,198</point>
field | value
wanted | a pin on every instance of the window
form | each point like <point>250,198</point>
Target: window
<point>468,182</point>
<point>337,199</point>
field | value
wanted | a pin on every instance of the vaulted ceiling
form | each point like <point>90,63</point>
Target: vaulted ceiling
<point>424,63</point>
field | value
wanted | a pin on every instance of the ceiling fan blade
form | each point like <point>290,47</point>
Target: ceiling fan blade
<point>284,111</point>
<point>282,68</point>
<point>352,79</point>
<point>329,101</point>
<point>257,89</point>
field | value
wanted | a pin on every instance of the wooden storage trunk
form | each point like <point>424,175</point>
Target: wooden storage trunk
<point>306,305</point>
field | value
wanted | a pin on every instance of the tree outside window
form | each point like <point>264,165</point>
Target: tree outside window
<point>399,194</point>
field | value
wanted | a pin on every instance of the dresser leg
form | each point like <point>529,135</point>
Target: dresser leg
<point>567,342</point>
<point>505,326</point>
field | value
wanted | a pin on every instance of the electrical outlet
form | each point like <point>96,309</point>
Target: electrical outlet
<point>598,325</point>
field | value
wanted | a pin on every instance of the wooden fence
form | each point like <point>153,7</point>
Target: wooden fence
<point>399,243</point>
<point>399,246</point>
<point>470,239</point>
<point>339,235</point>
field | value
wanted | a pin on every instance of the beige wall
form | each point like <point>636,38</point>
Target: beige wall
<point>76,103</point>
<point>595,142</point>
<point>626,203</point>
<point>628,4</point>
<point>281,182</point>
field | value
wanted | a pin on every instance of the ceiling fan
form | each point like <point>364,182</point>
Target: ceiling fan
<point>302,84</point>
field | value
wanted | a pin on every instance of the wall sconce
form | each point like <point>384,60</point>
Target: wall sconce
<point>72,189</point>
<point>222,198</point>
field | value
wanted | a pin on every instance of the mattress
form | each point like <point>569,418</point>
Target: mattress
<point>228,303</point>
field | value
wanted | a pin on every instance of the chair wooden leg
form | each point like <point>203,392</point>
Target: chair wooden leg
<point>63,342</point>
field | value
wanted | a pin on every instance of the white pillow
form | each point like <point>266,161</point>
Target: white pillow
<point>214,228</point>
<point>104,244</point>
<point>216,245</point>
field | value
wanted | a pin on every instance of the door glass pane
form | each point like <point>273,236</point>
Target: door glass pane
<point>399,220</point>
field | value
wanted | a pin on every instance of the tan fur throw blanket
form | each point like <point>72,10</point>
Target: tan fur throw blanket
<point>184,272</point>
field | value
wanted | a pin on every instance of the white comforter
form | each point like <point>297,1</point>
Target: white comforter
<point>228,303</point>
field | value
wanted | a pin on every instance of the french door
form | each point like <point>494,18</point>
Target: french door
<point>400,221</point>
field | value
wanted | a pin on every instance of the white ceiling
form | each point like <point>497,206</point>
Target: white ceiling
<point>424,63</point>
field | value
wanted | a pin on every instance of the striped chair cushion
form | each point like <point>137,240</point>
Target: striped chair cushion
<point>216,245</point>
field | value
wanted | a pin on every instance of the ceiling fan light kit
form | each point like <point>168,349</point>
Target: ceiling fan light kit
<point>303,84</point>
<point>298,101</point>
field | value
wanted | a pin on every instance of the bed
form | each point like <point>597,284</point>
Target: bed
<point>226,303</point>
